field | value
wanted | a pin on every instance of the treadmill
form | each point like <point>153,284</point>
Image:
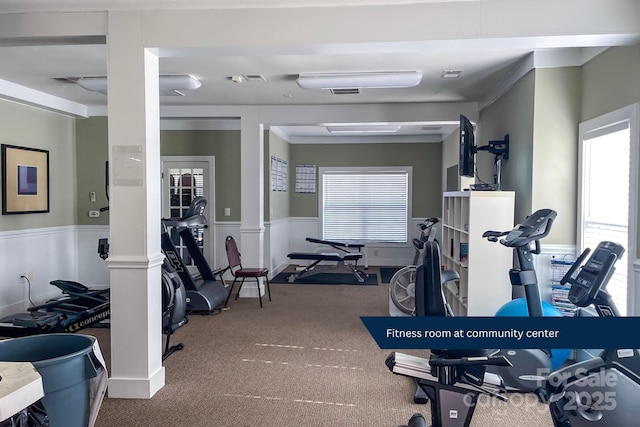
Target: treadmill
<point>206,291</point>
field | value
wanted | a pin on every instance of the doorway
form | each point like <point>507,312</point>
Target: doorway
<point>183,178</point>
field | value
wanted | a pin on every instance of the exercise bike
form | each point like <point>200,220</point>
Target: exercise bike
<point>529,365</point>
<point>402,286</point>
<point>601,391</point>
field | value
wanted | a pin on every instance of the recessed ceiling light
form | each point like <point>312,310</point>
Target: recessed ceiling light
<point>451,74</point>
<point>369,80</point>
<point>363,129</point>
<point>165,83</point>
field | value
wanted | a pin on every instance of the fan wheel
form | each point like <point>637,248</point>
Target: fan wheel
<point>402,288</point>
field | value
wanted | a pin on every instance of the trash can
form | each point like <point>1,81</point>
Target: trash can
<point>66,363</point>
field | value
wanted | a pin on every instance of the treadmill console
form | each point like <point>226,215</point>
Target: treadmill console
<point>587,280</point>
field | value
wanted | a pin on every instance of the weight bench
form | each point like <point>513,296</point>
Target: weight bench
<point>342,247</point>
<point>347,261</point>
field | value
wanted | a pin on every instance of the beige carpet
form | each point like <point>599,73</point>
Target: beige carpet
<point>305,359</point>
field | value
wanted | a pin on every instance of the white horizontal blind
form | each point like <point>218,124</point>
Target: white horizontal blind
<point>365,206</point>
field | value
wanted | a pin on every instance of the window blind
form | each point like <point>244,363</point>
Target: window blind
<point>365,206</point>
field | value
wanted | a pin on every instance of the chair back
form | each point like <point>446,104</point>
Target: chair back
<point>233,255</point>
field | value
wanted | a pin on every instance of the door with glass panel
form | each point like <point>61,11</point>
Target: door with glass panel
<point>184,178</point>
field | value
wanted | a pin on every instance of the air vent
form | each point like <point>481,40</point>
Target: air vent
<point>67,80</point>
<point>451,74</point>
<point>431,128</point>
<point>254,78</point>
<point>171,93</point>
<point>354,91</point>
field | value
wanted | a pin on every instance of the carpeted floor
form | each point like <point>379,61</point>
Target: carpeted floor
<point>304,359</point>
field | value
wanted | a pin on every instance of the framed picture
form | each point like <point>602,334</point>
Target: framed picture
<point>25,180</point>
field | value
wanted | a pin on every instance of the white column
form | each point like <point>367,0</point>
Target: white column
<point>134,212</point>
<point>252,198</point>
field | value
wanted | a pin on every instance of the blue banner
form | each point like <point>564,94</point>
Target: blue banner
<point>403,333</point>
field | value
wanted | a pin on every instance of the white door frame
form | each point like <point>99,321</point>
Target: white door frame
<point>632,114</point>
<point>211,202</point>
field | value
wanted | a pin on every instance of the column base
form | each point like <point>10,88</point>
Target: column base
<point>250,289</point>
<point>136,388</point>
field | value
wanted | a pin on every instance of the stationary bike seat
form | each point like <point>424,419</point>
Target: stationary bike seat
<point>69,287</point>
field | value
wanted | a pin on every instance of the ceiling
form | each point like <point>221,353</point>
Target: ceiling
<point>484,64</point>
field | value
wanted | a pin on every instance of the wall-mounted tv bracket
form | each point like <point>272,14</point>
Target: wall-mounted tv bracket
<point>500,151</point>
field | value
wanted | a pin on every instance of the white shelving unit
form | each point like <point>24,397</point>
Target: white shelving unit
<point>484,284</point>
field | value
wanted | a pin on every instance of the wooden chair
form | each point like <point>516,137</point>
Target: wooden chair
<point>239,272</point>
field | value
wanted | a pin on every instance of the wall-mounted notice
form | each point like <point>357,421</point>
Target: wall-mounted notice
<point>279,174</point>
<point>305,178</point>
<point>127,161</point>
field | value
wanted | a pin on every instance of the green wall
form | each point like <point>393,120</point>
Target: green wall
<point>555,148</point>
<point>619,67</point>
<point>276,205</point>
<point>92,147</point>
<point>225,146</point>
<point>92,150</point>
<point>423,157</point>
<point>512,114</point>
<point>31,127</point>
<point>610,81</point>
<point>540,113</point>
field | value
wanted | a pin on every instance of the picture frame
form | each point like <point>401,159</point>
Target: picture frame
<point>25,180</point>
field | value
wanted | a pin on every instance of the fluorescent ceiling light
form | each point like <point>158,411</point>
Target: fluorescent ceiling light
<point>389,79</point>
<point>166,83</point>
<point>364,129</point>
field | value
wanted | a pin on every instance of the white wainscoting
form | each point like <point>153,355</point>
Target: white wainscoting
<point>71,253</point>
<point>222,230</point>
<point>277,237</point>
<point>45,254</point>
<point>92,270</point>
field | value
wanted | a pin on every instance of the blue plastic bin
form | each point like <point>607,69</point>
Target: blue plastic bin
<point>66,363</point>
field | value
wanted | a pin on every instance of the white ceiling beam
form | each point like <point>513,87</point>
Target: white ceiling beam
<point>24,95</point>
<point>335,113</point>
<point>41,26</point>
<point>421,22</point>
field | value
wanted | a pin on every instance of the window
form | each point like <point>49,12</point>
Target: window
<point>606,205</point>
<point>365,204</point>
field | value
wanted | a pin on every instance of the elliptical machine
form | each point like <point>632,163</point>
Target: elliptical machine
<point>528,364</point>
<point>601,391</point>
